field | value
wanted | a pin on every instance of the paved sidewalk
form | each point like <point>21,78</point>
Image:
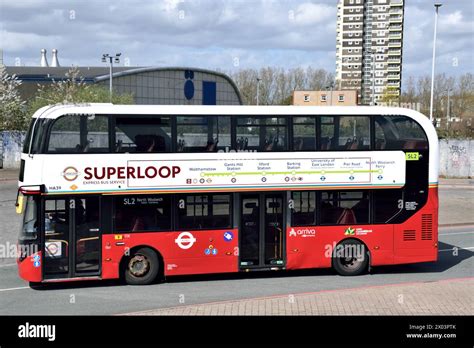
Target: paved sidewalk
<point>9,174</point>
<point>446,297</point>
<point>456,183</point>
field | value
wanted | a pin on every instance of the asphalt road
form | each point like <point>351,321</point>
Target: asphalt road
<point>89,298</point>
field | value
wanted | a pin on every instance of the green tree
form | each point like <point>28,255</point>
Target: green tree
<point>12,107</point>
<point>390,96</point>
<point>73,89</point>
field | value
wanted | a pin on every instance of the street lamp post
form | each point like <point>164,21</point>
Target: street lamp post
<point>437,6</point>
<point>111,60</point>
<point>258,88</point>
<point>448,109</point>
<point>330,89</point>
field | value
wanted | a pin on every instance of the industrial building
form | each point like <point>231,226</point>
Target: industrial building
<point>148,85</point>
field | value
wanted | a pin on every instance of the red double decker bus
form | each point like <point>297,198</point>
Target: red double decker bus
<point>147,192</point>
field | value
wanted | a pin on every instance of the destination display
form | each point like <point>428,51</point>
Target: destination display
<point>229,171</point>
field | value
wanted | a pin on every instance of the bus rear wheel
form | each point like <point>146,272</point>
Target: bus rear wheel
<point>142,267</point>
<point>350,258</point>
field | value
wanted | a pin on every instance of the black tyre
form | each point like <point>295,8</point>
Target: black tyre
<point>350,258</point>
<point>36,285</point>
<point>142,267</point>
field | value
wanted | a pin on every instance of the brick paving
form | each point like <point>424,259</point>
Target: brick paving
<point>444,297</point>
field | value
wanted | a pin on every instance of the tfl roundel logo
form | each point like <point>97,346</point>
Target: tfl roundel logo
<point>70,173</point>
<point>185,240</point>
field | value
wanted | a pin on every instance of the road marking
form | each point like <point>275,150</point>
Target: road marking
<point>456,225</point>
<point>8,265</point>
<point>452,234</point>
<point>457,248</point>
<point>11,289</point>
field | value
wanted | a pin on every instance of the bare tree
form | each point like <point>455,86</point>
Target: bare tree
<point>277,85</point>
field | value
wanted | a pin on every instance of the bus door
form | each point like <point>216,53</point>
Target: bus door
<point>72,244</point>
<point>262,230</point>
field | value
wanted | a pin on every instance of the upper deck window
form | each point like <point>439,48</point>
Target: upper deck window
<point>399,133</point>
<point>35,135</point>
<point>142,134</point>
<point>79,134</point>
<point>202,133</point>
<point>261,133</point>
<point>345,133</point>
<point>304,133</point>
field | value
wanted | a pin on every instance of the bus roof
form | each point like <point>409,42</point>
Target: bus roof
<point>55,111</point>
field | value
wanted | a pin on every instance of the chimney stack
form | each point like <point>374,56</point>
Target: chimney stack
<point>44,60</point>
<point>55,62</point>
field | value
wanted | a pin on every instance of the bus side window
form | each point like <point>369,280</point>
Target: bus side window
<point>387,204</point>
<point>202,133</point>
<point>201,212</point>
<point>304,133</point>
<point>65,135</point>
<point>142,134</point>
<point>149,143</point>
<point>266,133</point>
<point>304,210</point>
<point>328,133</point>
<point>399,133</point>
<point>97,138</point>
<point>79,134</point>
<point>143,213</point>
<point>344,207</point>
<point>354,133</point>
<point>380,141</point>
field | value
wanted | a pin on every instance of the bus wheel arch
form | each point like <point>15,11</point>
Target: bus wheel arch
<point>346,264</point>
<point>142,265</point>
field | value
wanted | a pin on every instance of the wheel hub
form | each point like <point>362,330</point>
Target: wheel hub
<point>352,261</point>
<point>139,265</point>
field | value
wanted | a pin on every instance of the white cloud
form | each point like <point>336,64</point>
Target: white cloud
<point>16,42</point>
<point>310,13</point>
<point>211,34</point>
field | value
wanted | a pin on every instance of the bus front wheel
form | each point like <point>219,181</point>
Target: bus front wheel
<point>142,267</point>
<point>350,258</point>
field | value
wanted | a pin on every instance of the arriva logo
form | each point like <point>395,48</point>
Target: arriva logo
<point>303,232</point>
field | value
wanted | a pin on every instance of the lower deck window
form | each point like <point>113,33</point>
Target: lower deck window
<point>201,212</point>
<point>387,204</point>
<point>304,208</point>
<point>344,207</point>
<point>143,213</point>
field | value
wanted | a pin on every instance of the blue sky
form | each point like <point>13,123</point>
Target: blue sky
<point>220,34</point>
